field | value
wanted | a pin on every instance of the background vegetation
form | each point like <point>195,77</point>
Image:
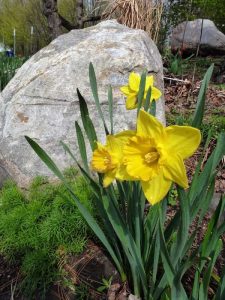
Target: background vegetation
<point>23,14</point>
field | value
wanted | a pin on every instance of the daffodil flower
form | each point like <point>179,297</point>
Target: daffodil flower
<point>108,159</point>
<point>131,90</point>
<point>155,155</point>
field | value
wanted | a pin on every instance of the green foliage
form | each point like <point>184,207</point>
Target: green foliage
<point>35,226</point>
<point>67,8</point>
<point>175,63</point>
<point>149,252</point>
<point>8,67</point>
<point>182,10</point>
<point>106,284</point>
<point>21,15</point>
<point>177,11</point>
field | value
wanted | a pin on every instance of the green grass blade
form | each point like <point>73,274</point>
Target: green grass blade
<point>94,88</point>
<point>200,107</point>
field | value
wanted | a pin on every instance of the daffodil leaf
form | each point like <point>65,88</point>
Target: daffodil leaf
<point>82,146</point>
<point>148,98</point>
<point>221,289</point>
<point>141,91</point>
<point>82,209</point>
<point>87,123</point>
<point>110,101</point>
<point>153,108</point>
<point>167,263</point>
<point>182,235</point>
<point>200,107</point>
<point>198,189</point>
<point>203,292</point>
<point>94,88</point>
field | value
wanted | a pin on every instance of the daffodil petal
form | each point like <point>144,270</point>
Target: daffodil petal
<point>125,90</point>
<point>147,125</point>
<point>183,140</point>
<point>156,189</point>
<point>149,82</point>
<point>109,177</point>
<point>155,93</point>
<point>131,102</point>
<point>134,81</point>
<point>125,135</point>
<point>121,174</point>
<point>175,171</point>
<point>113,143</point>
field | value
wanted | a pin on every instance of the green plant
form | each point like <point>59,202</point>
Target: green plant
<point>8,67</point>
<point>34,227</point>
<point>106,284</point>
<point>150,253</point>
<point>175,63</point>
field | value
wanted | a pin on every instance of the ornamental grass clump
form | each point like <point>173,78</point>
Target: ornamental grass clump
<point>137,172</point>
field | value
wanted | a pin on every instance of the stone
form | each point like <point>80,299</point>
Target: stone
<point>41,100</point>
<point>4,176</point>
<point>187,35</point>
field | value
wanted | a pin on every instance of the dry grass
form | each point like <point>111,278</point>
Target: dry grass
<point>137,14</point>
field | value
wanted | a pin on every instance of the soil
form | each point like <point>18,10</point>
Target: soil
<point>180,102</point>
<point>9,279</point>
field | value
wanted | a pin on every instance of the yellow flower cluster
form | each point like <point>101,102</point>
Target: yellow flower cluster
<point>131,90</point>
<point>153,155</point>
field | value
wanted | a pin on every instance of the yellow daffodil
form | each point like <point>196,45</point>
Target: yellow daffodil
<point>131,90</point>
<point>108,158</point>
<point>155,155</point>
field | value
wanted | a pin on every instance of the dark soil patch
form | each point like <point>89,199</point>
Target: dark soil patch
<point>9,279</point>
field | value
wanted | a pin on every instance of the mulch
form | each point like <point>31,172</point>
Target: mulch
<point>180,100</point>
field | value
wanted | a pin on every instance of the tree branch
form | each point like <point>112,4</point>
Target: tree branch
<point>92,19</point>
<point>66,24</point>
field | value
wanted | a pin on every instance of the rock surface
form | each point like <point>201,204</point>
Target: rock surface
<point>187,35</point>
<point>41,100</point>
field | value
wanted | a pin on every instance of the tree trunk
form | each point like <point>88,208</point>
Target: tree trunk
<point>80,13</point>
<point>54,22</point>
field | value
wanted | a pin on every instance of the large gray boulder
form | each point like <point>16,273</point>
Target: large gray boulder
<point>189,34</point>
<point>41,100</point>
